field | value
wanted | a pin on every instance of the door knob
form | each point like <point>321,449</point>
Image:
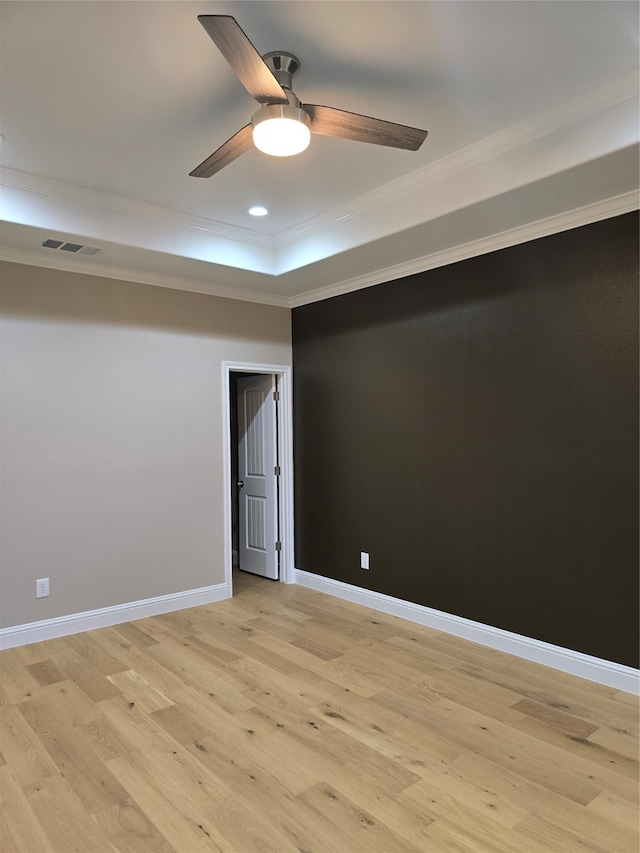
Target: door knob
<point>240,484</point>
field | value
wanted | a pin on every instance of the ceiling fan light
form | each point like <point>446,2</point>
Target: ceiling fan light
<point>281,130</point>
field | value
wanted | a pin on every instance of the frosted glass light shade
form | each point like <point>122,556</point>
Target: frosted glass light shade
<point>281,130</point>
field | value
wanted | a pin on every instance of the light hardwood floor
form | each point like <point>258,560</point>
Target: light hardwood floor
<point>287,720</point>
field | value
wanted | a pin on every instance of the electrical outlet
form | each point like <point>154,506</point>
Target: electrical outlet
<point>42,588</point>
<point>364,560</point>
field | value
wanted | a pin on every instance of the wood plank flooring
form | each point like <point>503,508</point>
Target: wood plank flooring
<point>287,720</point>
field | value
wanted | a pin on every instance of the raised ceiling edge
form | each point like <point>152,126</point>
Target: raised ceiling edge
<point>625,203</point>
<point>616,206</point>
<point>624,88</point>
<point>71,264</point>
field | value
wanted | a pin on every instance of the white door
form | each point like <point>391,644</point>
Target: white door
<point>257,479</point>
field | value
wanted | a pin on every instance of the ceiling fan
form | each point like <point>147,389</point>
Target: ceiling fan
<point>282,126</point>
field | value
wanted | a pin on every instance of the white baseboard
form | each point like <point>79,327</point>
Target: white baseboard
<point>49,629</point>
<point>576,663</point>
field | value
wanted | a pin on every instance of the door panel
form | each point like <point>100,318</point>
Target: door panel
<point>257,458</point>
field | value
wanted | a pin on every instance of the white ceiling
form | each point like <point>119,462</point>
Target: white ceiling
<point>105,107</point>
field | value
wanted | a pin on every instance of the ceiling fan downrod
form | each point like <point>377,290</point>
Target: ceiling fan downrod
<point>284,67</point>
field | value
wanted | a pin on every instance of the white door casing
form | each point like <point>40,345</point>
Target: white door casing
<point>285,455</point>
<point>257,480</point>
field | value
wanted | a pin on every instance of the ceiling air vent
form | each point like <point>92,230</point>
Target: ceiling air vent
<point>75,248</point>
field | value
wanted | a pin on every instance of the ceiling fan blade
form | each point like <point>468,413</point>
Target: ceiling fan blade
<point>239,143</point>
<point>327,121</point>
<point>244,59</point>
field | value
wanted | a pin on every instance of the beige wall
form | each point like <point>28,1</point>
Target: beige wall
<point>111,479</point>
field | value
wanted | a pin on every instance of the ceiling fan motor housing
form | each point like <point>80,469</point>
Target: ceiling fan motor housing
<point>284,67</point>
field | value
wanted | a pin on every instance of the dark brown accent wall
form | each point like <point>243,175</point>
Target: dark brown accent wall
<point>475,429</point>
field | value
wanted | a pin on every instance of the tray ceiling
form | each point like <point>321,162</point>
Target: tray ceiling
<point>531,108</point>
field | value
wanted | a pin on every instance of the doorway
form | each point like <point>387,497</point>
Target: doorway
<point>244,374</point>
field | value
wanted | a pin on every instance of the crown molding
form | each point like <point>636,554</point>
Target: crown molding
<point>393,206</point>
<point>585,215</point>
<point>622,89</point>
<point>585,129</point>
<point>113,204</point>
<point>71,264</point>
<point>575,218</point>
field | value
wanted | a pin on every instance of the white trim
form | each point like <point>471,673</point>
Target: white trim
<point>119,205</point>
<point>584,130</point>
<point>555,224</point>
<point>49,629</point>
<point>71,263</point>
<point>595,669</point>
<point>586,215</point>
<point>285,454</point>
<point>620,90</point>
<point>595,105</point>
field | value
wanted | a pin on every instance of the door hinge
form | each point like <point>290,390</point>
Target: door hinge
<point>276,396</point>
<point>278,546</point>
<point>276,470</point>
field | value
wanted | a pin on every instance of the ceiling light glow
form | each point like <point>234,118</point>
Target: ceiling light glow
<point>258,210</point>
<point>281,130</point>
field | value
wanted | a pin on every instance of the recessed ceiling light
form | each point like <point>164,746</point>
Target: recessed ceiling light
<point>258,210</point>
